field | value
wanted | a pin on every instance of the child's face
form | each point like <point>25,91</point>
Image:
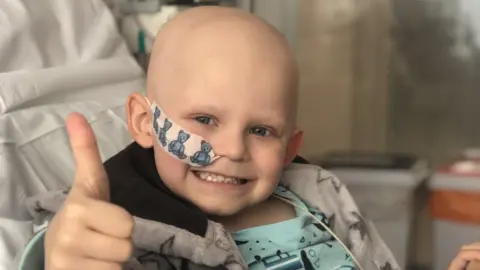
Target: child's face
<point>240,96</point>
<point>244,112</point>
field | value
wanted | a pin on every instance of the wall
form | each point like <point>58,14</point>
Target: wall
<point>325,56</point>
<point>343,51</point>
<point>434,79</point>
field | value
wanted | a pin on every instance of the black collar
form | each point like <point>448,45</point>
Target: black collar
<point>136,187</point>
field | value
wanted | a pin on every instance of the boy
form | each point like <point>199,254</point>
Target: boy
<point>213,137</point>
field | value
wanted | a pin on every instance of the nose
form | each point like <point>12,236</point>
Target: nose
<point>231,145</point>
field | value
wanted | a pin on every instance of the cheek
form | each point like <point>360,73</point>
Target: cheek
<point>171,170</point>
<point>269,158</point>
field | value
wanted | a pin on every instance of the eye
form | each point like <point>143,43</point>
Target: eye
<point>260,131</point>
<point>206,120</point>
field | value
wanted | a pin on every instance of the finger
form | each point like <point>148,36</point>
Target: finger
<point>103,247</point>
<point>462,259</point>
<point>108,219</point>
<point>90,177</point>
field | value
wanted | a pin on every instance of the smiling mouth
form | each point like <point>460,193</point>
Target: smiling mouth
<point>217,178</point>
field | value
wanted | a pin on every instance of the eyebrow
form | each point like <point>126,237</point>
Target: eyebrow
<point>277,123</point>
<point>202,108</point>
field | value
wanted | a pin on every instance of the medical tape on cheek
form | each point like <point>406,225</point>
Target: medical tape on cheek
<point>180,143</point>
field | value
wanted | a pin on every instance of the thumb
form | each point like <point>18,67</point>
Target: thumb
<point>90,176</point>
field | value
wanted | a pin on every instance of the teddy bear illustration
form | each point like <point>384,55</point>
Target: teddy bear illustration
<point>177,146</point>
<point>156,115</point>
<point>162,135</point>
<point>202,157</point>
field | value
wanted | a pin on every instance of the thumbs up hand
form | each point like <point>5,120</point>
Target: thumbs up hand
<point>88,232</point>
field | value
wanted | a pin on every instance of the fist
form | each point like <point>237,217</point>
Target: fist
<point>467,259</point>
<point>88,232</point>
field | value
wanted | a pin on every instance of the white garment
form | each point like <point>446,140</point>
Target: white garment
<point>56,57</point>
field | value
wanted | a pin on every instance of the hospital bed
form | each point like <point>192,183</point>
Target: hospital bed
<point>56,57</point>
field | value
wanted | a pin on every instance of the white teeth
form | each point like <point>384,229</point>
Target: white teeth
<point>211,177</point>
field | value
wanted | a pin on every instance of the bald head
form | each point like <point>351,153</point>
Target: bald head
<point>209,47</point>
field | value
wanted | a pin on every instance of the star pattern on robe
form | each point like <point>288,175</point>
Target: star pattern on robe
<point>359,225</point>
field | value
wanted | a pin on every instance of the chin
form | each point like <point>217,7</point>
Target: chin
<point>220,211</point>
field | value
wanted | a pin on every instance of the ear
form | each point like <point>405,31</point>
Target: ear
<point>293,147</point>
<point>139,119</point>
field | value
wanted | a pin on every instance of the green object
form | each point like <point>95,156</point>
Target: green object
<point>141,42</point>
<point>142,55</point>
<point>294,244</point>
<point>33,257</point>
